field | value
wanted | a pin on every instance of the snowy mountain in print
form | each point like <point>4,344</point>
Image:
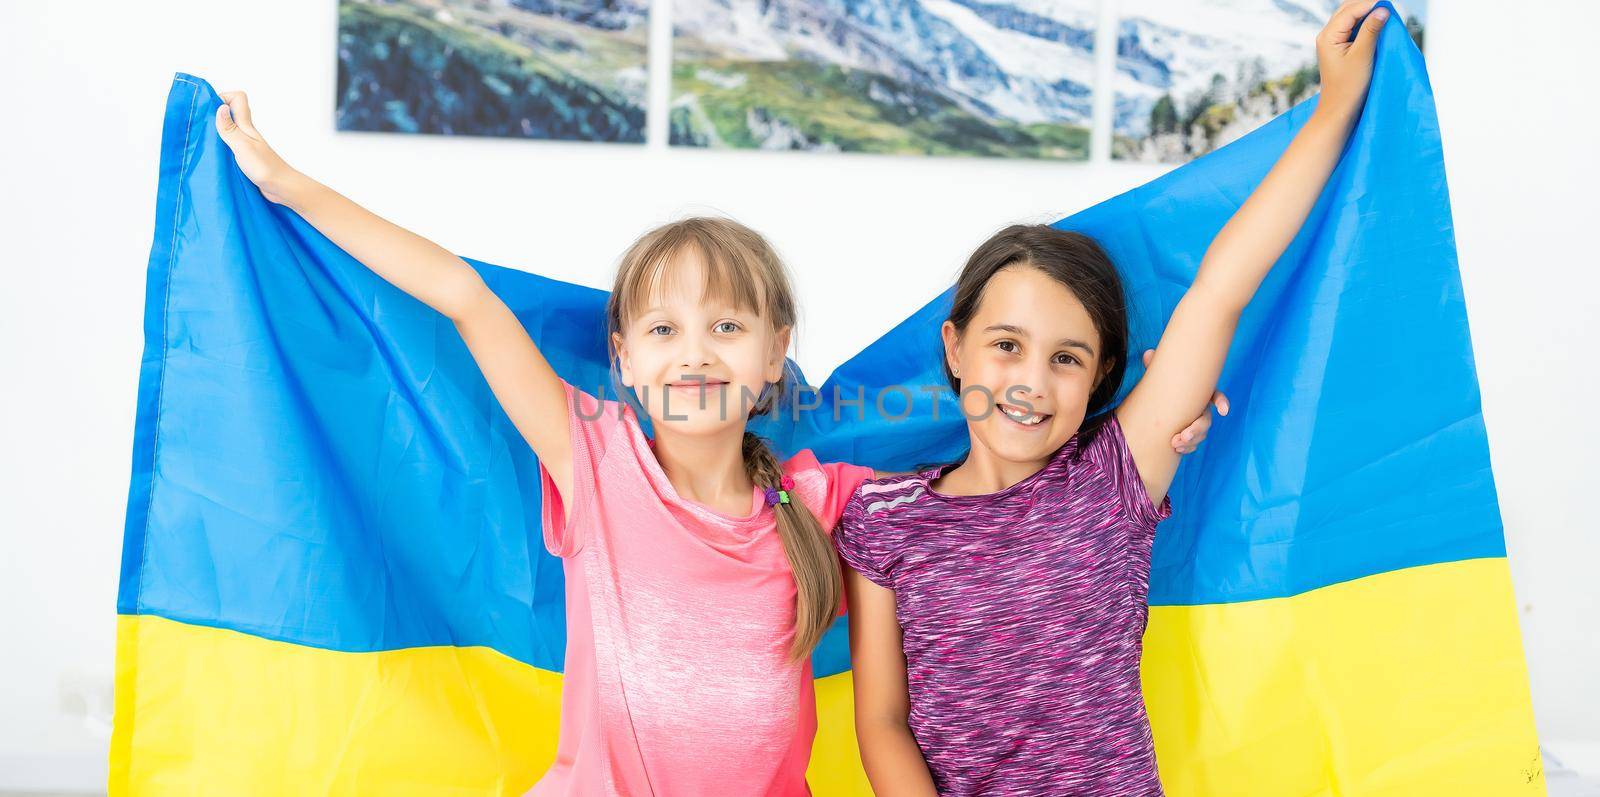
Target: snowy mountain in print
<point>1192,75</point>
<point>917,76</point>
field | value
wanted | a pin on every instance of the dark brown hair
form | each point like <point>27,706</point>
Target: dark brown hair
<point>1081,266</point>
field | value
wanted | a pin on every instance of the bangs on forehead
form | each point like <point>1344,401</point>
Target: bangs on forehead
<point>729,277</point>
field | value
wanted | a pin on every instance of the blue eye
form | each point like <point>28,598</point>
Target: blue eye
<point>660,326</point>
<point>735,326</point>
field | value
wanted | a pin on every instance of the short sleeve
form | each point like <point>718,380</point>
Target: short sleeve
<point>859,547</point>
<point>591,426</point>
<point>825,487</point>
<point>1109,451</point>
<point>843,481</point>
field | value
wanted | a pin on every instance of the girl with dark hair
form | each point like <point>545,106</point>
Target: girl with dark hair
<point>998,604</point>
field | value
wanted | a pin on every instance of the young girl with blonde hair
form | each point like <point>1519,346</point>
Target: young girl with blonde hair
<point>699,573</point>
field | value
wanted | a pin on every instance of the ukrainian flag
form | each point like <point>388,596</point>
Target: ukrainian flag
<point>333,580</point>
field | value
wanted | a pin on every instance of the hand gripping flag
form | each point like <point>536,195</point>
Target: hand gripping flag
<point>333,580</point>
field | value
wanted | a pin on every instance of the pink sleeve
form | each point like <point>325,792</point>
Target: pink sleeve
<point>827,500</point>
<point>591,425</point>
<point>843,481</point>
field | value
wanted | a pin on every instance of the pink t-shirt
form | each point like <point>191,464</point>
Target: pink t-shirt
<point>679,619</point>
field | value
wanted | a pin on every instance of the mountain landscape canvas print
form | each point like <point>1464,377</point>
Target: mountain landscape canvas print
<point>1193,75</point>
<point>574,70</point>
<point>931,77</point>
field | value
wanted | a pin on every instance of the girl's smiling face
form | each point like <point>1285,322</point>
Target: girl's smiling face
<point>1028,363</point>
<point>697,360</point>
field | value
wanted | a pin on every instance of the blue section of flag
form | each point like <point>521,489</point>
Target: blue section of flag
<point>318,460</point>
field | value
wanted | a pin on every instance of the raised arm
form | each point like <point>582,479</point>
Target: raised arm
<point>523,381</point>
<point>1194,345</point>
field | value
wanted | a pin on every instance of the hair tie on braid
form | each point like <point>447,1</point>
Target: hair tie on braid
<point>780,494</point>
<point>817,578</point>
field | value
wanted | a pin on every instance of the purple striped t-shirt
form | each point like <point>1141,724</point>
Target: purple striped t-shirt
<point>1023,613</point>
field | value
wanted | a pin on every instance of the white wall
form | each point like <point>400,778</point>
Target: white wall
<point>1515,90</point>
<point>870,238</point>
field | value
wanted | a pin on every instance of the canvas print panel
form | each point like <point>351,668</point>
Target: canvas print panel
<point>1193,75</point>
<point>573,70</point>
<point>931,77</point>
